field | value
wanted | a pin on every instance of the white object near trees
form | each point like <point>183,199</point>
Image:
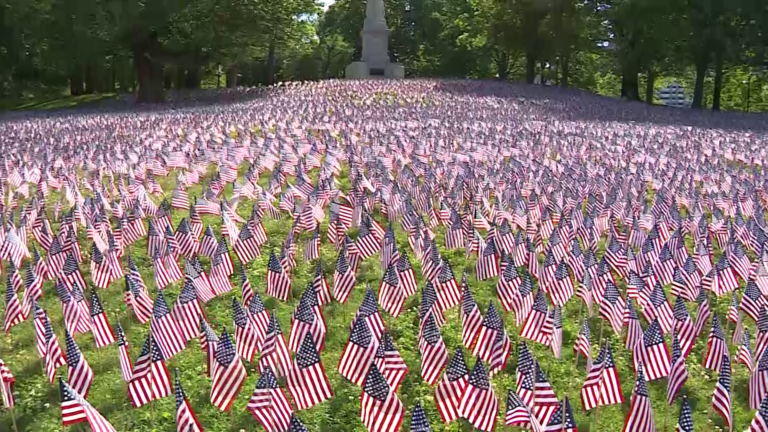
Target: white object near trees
<point>375,57</point>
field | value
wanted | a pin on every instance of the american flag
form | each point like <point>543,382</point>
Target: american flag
<point>658,308</point>
<point>194,272</point>
<point>296,425</point>
<point>186,420</point>
<point>744,354</point>
<point>380,408</point>
<point>7,382</point>
<point>613,306</point>
<point>471,318</point>
<point>320,285</point>
<point>716,346</point>
<point>389,362</point>
<point>228,375</point>
<point>306,380</point>
<point>721,399</point>
<point>491,326</point>
<point>208,343</point>
<point>434,354</point>
<point>359,353</point>
<point>150,380</point>
<point>126,370</point>
<point>274,351</point>
<point>451,388</point>
<point>391,294</point>
<point>102,332</point>
<point>610,384</point>
<point>406,274</point>
<point>307,319</point>
<point>590,390</point>
<point>562,419</point>
<point>758,381</point>
<point>165,329</point>
<point>33,291</point>
<point>367,242</point>
<point>685,421</point>
<point>538,326</point>
<point>640,417</point>
<point>278,281</point>
<point>544,399</point>
<point>487,263</point>
<point>74,320</point>
<point>247,339</point>
<point>187,240</point>
<point>268,403</point>
<point>75,409</point>
<point>678,374</point>
<point>752,300</point>
<point>583,344</point>
<point>509,283</point>
<point>448,292</point>
<point>762,332</point>
<point>519,415</point>
<point>653,353</point>
<point>478,404</point>
<point>53,355</point>
<point>419,422</point>
<point>247,246</point>
<point>704,311</point>
<point>209,244</point>
<point>13,312</point>
<point>733,309</point>
<point>138,300</point>
<point>187,312</point>
<point>684,327</point>
<point>369,311</point>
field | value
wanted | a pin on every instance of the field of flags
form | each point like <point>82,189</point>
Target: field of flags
<point>384,256</point>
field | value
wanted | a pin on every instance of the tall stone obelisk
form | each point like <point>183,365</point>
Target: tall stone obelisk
<point>375,57</point>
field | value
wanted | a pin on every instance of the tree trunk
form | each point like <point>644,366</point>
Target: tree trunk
<point>701,72</point>
<point>502,65</point>
<point>150,76</point>
<point>630,85</point>
<point>76,81</point>
<point>89,80</point>
<point>649,87</point>
<point>565,67</point>
<point>232,76</point>
<point>271,62</point>
<point>180,77</point>
<point>193,78</point>
<point>718,81</point>
<point>530,67</point>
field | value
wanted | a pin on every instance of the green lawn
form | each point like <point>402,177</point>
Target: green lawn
<point>37,401</point>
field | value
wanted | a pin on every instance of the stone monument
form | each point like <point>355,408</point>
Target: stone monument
<point>375,57</point>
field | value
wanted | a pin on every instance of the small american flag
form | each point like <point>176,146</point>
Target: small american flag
<point>278,281</point>
<point>721,399</point>
<point>7,382</point>
<point>685,421</point>
<point>716,346</point>
<point>268,403</point>
<point>75,409</point>
<point>758,381</point>
<point>406,274</point>
<point>678,374</point>
<point>228,375</point>
<point>583,344</point>
<point>165,329</point>
<point>640,417</point>
<point>79,372</point>
<point>306,380</point>
<point>320,285</point>
<point>434,354</point>
<point>478,404</point>
<point>471,318</point>
<point>53,355</point>
<point>419,422</point>
<point>359,353</point>
<point>744,354</point>
<point>519,415</point>
<point>562,419</point>
<point>391,294</point>
<point>653,353</point>
<point>102,332</point>
<point>274,351</point>
<point>389,362</point>
<point>448,292</point>
<point>451,388</point>
<point>126,370</point>
<point>186,420</point>
<point>246,337</point>
<point>150,380</point>
<point>13,312</point>
<point>684,327</point>
<point>613,306</point>
<point>752,300</point>
<point>538,326</point>
<point>380,408</point>
<point>187,312</point>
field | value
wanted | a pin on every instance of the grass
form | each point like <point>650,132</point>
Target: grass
<point>38,403</point>
<point>52,103</point>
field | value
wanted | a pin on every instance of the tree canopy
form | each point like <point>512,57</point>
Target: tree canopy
<point>717,49</point>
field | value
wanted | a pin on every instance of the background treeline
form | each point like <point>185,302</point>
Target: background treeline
<point>717,49</point>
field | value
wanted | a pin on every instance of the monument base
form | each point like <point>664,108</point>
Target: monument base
<point>360,70</point>
<point>395,71</point>
<point>356,70</point>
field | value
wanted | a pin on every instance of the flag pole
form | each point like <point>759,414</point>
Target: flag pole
<point>13,419</point>
<point>565,414</point>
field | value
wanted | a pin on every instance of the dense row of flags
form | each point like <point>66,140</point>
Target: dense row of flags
<point>533,226</point>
